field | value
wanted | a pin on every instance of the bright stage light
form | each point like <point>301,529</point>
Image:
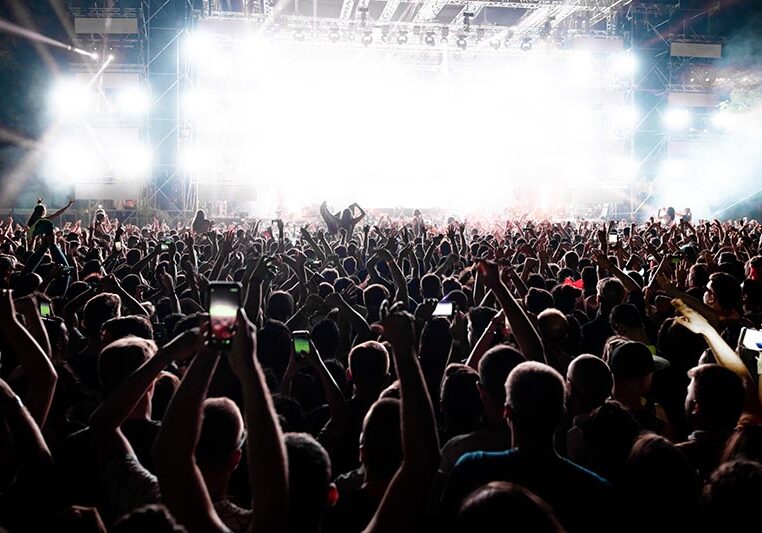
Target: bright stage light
<point>673,169</point>
<point>722,120</point>
<point>133,160</point>
<point>626,117</point>
<point>677,118</point>
<point>134,101</point>
<point>70,98</point>
<point>200,46</point>
<point>625,168</point>
<point>69,161</point>
<point>626,64</point>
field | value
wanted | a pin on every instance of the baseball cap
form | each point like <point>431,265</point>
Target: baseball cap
<point>634,360</point>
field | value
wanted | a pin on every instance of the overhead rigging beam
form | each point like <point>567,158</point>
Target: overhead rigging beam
<point>389,9</point>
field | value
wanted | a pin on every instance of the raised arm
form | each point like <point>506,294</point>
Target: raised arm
<point>62,210</point>
<point>526,335</point>
<point>723,353</point>
<point>265,448</point>
<point>38,370</point>
<point>408,490</point>
<point>604,263</point>
<point>182,485</point>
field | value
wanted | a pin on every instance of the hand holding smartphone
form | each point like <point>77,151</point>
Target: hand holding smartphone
<point>224,300</point>
<point>443,309</point>
<point>302,346</point>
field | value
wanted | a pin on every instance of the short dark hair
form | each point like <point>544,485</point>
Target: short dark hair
<point>431,286</point>
<point>221,432</point>
<point>382,438</point>
<point>535,394</point>
<point>480,317</point>
<point>154,518</point>
<point>124,326</point>
<point>491,506</point>
<point>538,300</point>
<point>98,310</point>
<point>309,472</point>
<point>120,359</point>
<point>727,291</point>
<point>733,489</point>
<point>274,346</point>
<point>369,364</point>
<point>611,292</point>
<point>720,395</point>
<point>494,367</point>
<point>459,396</point>
<point>374,295</point>
<point>280,306</point>
<point>626,315</point>
<point>590,379</point>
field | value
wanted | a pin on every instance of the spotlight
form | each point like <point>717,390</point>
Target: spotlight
<point>299,35</point>
<point>349,36</point>
<point>367,37</point>
<point>402,37</point>
<point>70,97</point>
<point>445,33</point>
<point>480,34</point>
<point>677,118</point>
<point>461,42</point>
<point>495,43</point>
<point>722,120</point>
<point>429,39</point>
<point>134,101</point>
<point>385,34</point>
<point>626,64</point>
<point>334,35</point>
<point>526,44</point>
<point>626,117</point>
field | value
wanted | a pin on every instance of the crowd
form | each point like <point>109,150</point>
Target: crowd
<point>521,375</point>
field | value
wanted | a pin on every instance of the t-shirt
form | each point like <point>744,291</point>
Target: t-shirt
<point>581,499</point>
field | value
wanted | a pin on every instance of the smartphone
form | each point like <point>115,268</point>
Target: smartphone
<point>676,259</point>
<point>751,339</point>
<point>45,310</point>
<point>118,246</point>
<point>301,344</point>
<point>443,309</point>
<point>613,237</point>
<point>224,300</point>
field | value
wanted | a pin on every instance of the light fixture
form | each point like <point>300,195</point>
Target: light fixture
<point>385,34</point>
<point>495,43</point>
<point>526,44</point>
<point>461,42</point>
<point>333,34</point>
<point>402,37</point>
<point>677,118</point>
<point>429,39</point>
<point>299,35</point>
<point>445,33</point>
<point>367,37</point>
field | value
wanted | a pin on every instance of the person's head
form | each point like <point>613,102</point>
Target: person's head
<point>325,335</point>
<point>381,440</point>
<point>221,439</point>
<point>498,503</point>
<point>120,359</point>
<point>553,326</point>
<point>431,286</point>
<point>610,293</point>
<point>534,401</point>
<point>588,383</point>
<point>538,300</point>
<point>274,346</point>
<point>280,306</point>
<point>698,275</point>
<point>745,443</point>
<point>310,489</point>
<point>715,398</point>
<point>459,399</point>
<point>478,320</point>
<point>368,367</point>
<point>373,297</point>
<point>660,484</point>
<point>124,326</point>
<point>494,367</point>
<point>625,320</point>
<point>154,518</point>
<point>723,293</point>
<point>97,311</point>
<point>589,280</point>
<point>565,298</point>
<point>571,260</point>
<point>632,366</point>
<point>729,498</point>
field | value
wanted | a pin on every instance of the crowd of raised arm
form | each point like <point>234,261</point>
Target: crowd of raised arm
<point>491,375</point>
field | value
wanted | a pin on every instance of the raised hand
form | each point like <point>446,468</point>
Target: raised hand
<point>690,318</point>
<point>490,273</point>
<point>244,348</point>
